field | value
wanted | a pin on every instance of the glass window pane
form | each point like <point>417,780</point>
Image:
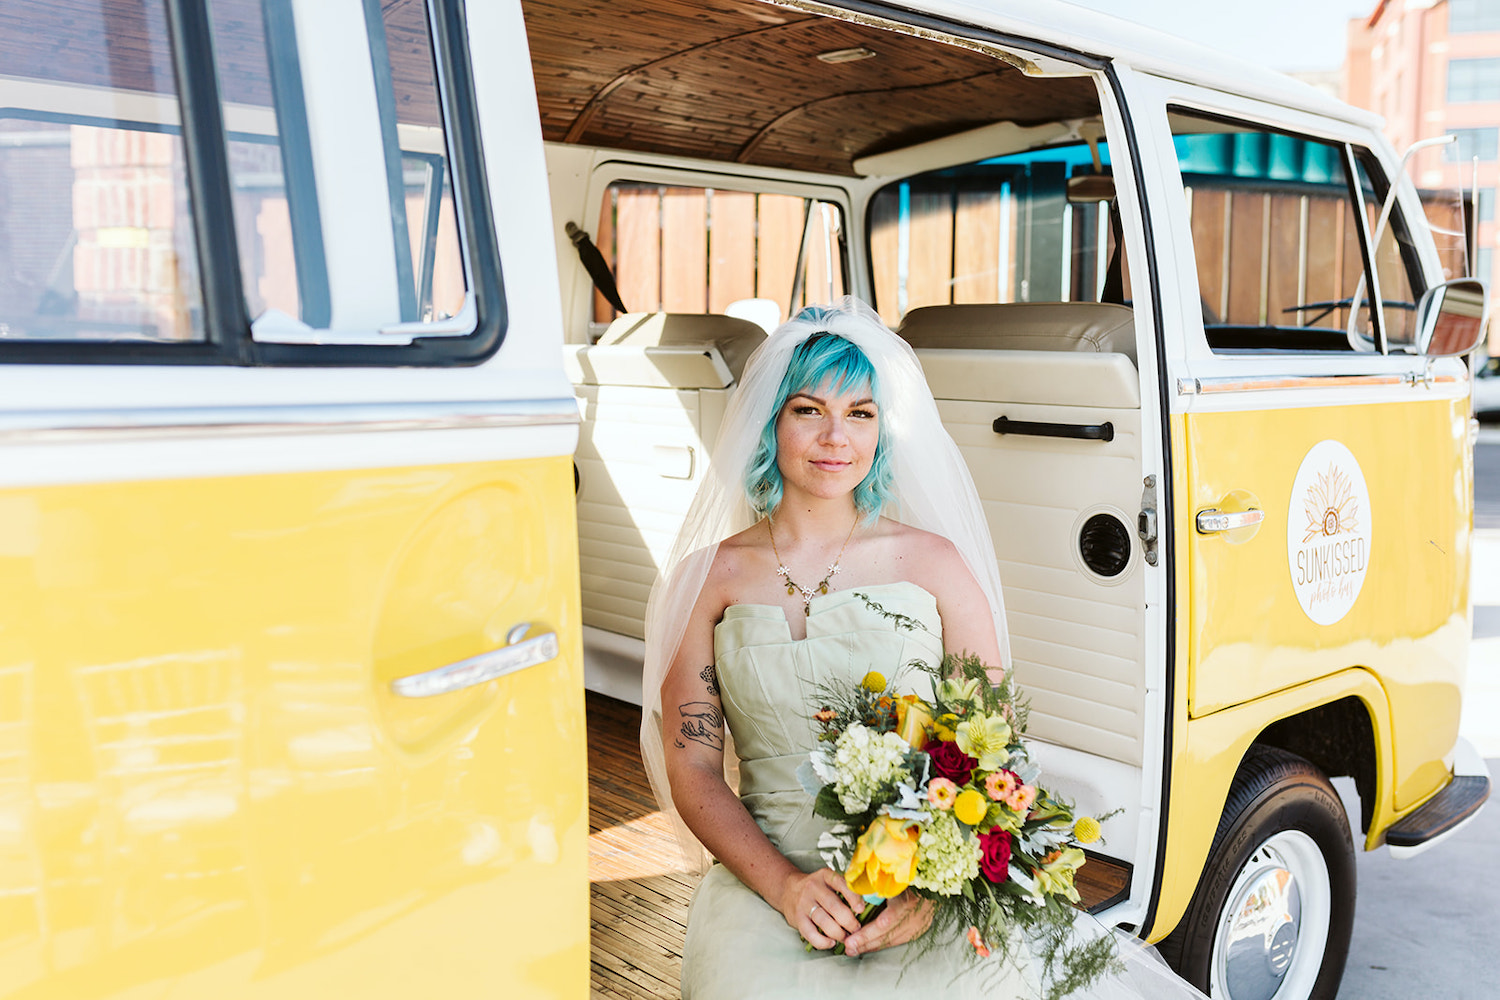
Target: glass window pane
<point>693,250</point>
<point>1275,238</point>
<point>97,241</point>
<point>1013,228</point>
<point>1393,250</point>
<point>282,217</point>
<point>1483,143</point>
<point>1474,79</point>
<point>1473,15</point>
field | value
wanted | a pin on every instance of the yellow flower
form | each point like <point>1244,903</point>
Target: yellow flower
<point>1055,876</point>
<point>970,807</point>
<point>874,682</point>
<point>985,738</point>
<point>912,719</point>
<point>885,858</point>
<point>1086,830</point>
<point>943,726</point>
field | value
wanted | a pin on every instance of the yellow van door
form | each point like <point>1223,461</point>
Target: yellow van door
<point>1329,483</point>
<point>290,677</point>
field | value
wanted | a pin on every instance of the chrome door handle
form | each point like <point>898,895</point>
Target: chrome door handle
<point>478,669</point>
<point>1212,520</point>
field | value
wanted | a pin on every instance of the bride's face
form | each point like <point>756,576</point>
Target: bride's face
<point>825,440</point>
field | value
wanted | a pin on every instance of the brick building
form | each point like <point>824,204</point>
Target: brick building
<point>1431,67</point>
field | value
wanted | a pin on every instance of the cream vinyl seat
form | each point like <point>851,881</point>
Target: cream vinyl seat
<point>1090,327</point>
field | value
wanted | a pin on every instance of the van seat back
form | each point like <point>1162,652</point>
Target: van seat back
<point>667,350</point>
<point>1095,327</point>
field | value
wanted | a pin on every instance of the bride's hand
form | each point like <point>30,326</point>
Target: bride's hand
<point>906,917</point>
<point>821,907</point>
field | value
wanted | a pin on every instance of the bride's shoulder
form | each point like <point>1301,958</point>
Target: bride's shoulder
<point>918,548</point>
<point>739,556</point>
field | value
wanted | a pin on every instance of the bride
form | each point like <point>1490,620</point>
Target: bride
<point>835,499</point>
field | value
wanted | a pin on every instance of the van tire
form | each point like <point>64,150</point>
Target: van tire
<point>1282,814</point>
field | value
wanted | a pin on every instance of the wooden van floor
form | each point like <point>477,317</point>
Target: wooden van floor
<point>638,891</point>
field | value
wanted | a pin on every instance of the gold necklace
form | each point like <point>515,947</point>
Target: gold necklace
<point>792,586</point>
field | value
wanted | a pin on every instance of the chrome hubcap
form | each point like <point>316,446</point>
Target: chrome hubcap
<point>1272,931</point>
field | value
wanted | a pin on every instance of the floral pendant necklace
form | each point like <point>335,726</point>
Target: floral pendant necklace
<point>792,586</point>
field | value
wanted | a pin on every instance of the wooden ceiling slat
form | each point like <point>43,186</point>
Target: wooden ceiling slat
<point>739,80</point>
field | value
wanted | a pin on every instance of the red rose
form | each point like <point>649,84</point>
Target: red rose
<point>995,861</point>
<point>948,761</point>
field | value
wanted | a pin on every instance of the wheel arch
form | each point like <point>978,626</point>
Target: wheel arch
<point>1213,747</point>
<point>1338,737</point>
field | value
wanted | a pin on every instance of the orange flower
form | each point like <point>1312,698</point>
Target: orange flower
<point>885,858</point>
<point>977,943</point>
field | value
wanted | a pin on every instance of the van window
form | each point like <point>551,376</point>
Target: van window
<point>1275,236</point>
<point>1002,229</point>
<point>353,218</point>
<point>691,249</point>
<point>1395,257</point>
<point>295,235</point>
<point>96,242</point>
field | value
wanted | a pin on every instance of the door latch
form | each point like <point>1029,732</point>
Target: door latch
<point>1145,522</point>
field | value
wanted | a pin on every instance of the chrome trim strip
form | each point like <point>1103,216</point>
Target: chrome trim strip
<point>478,669</point>
<point>1263,383</point>
<point>46,426</point>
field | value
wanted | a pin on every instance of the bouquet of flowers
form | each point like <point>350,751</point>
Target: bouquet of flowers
<point>938,794</point>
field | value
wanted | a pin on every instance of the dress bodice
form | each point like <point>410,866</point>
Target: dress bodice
<point>769,683</point>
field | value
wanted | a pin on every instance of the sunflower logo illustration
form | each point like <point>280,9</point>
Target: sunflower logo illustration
<point>1330,505</point>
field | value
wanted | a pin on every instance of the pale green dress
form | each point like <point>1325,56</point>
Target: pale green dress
<point>737,945</point>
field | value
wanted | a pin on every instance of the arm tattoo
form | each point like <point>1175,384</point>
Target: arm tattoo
<point>711,678</point>
<point>702,723</point>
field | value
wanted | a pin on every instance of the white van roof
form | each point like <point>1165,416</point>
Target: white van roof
<point>1070,26</point>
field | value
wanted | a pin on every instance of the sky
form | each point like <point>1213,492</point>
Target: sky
<point>1286,35</point>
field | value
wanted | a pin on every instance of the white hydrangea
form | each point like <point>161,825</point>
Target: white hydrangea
<point>864,762</point>
<point>946,857</point>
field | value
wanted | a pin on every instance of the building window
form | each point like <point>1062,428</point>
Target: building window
<point>1473,15</point>
<point>1486,263</point>
<point>1481,142</point>
<point>1486,204</point>
<point>1474,80</point>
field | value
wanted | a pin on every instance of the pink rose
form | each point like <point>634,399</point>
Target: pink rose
<point>994,862</point>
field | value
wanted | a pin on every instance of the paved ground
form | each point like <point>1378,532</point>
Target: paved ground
<point>1427,928</point>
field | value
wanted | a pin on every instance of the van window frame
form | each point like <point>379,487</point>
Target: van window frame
<point>227,338</point>
<point>645,168</point>
<point>1351,159</point>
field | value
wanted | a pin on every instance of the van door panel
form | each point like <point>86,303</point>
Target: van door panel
<point>1409,623</point>
<point>205,779</point>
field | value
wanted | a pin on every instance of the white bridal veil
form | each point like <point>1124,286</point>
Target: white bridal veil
<point>931,483</point>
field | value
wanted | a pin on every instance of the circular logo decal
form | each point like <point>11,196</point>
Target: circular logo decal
<point>1328,532</point>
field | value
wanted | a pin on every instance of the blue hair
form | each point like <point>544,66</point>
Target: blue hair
<point>824,359</point>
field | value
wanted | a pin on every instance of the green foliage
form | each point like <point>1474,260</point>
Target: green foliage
<point>827,805</point>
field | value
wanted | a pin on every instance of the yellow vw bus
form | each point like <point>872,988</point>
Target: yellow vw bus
<point>306,304</point>
<point>1189,324</point>
<point>291,696</point>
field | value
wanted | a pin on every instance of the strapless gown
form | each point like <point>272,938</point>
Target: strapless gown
<point>737,945</point>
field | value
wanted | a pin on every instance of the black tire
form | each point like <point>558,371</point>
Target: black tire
<point>1282,816</point>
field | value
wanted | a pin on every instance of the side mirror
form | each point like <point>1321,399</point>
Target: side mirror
<point>1451,318</point>
<point>1086,188</point>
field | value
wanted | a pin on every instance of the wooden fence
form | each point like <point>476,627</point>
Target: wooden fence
<point>684,249</point>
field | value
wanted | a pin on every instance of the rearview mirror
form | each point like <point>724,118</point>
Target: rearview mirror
<point>1086,188</point>
<point>1451,318</point>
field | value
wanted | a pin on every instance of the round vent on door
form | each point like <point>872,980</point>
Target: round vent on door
<point>1104,544</point>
